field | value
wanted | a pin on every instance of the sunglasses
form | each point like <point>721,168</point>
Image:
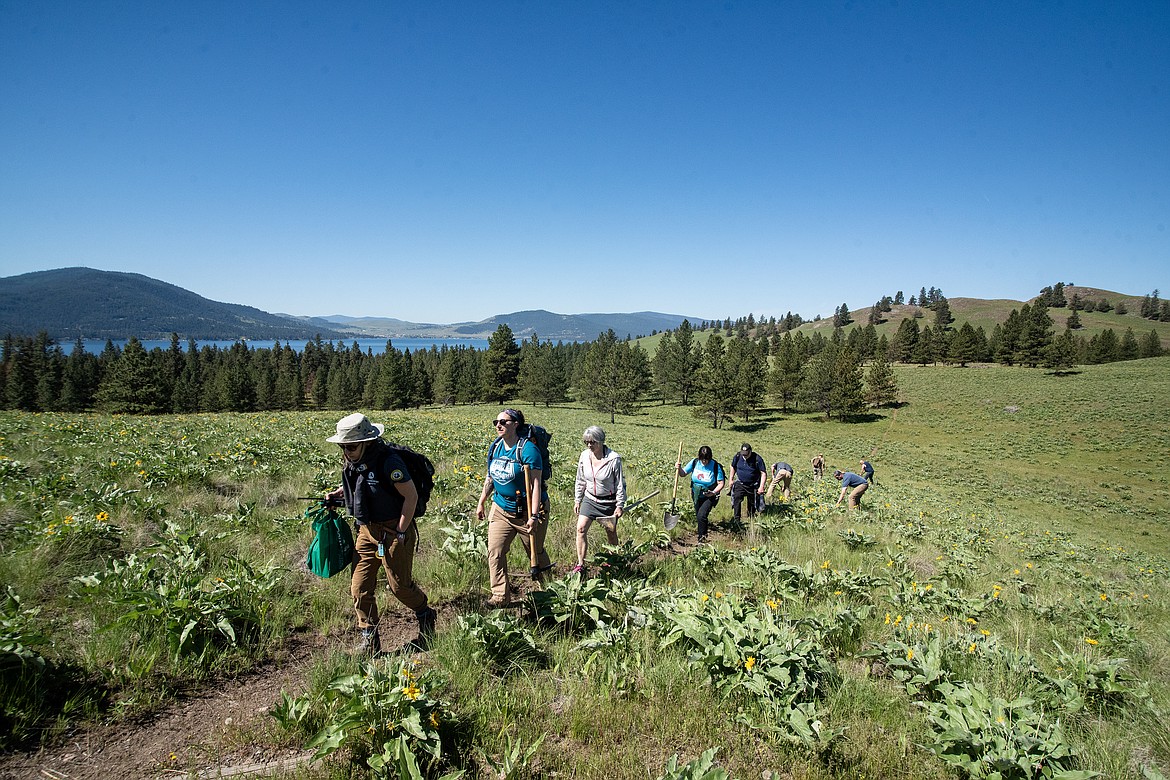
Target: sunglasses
<point>351,447</point>
<point>588,442</point>
<point>498,423</point>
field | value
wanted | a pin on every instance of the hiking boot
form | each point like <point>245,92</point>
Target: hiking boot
<point>578,569</point>
<point>369,644</point>
<point>497,603</point>
<point>426,622</point>
<point>703,539</point>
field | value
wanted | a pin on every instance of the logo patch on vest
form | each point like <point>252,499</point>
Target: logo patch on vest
<point>397,475</point>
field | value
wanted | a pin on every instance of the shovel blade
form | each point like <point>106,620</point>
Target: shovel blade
<point>669,520</point>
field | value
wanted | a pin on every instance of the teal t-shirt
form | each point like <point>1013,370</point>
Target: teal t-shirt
<point>506,468</point>
<point>705,475</point>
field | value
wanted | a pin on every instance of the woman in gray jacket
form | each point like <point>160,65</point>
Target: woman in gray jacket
<point>600,491</point>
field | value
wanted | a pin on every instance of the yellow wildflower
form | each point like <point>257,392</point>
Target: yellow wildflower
<point>1091,641</point>
<point>749,663</point>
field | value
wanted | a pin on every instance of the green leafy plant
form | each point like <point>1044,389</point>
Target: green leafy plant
<point>170,588</point>
<point>22,668</point>
<point>465,537</point>
<point>500,641</point>
<point>515,760</point>
<point>701,768</point>
<point>368,712</point>
<point>990,737</point>
<point>573,604</point>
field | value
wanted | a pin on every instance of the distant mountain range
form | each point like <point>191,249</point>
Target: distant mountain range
<point>68,303</point>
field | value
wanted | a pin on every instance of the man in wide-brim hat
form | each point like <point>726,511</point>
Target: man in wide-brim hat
<point>381,496</point>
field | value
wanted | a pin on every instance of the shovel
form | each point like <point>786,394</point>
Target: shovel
<point>669,518</point>
<point>607,520</point>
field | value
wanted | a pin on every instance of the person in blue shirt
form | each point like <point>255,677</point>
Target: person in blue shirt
<point>782,475</point>
<point>852,483</point>
<point>517,509</point>
<point>748,480</point>
<point>707,478</point>
<point>867,471</point>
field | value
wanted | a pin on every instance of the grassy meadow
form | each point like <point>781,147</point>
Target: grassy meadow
<point>999,605</point>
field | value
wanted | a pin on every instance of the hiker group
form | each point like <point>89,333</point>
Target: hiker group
<point>385,488</point>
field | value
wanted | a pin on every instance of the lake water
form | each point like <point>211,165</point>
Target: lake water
<point>377,346</point>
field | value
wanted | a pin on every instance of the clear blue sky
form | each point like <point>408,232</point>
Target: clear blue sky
<point>447,161</point>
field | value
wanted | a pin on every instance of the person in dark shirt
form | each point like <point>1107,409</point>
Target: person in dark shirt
<point>748,472</point>
<point>381,497</point>
<point>867,471</point>
<point>853,484</point>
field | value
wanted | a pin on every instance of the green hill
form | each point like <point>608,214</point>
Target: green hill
<point>70,303</point>
<point>986,314</point>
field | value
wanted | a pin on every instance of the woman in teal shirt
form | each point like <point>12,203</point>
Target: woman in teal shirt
<point>707,478</point>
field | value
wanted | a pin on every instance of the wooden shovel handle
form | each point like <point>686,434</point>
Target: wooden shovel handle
<point>678,460</point>
<point>531,518</point>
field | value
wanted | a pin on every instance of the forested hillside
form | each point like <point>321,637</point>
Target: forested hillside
<point>69,303</point>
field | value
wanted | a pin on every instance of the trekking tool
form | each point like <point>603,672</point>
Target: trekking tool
<point>669,518</point>
<point>629,506</point>
<point>533,570</point>
<point>331,550</point>
<point>422,472</point>
<point>639,502</point>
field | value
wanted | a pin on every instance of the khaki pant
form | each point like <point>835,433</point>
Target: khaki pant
<point>503,527</point>
<point>398,563</point>
<point>855,495</point>
<point>783,477</point>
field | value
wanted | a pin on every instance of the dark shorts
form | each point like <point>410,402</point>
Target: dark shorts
<point>592,508</point>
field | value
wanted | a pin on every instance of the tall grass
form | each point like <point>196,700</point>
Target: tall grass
<point>1014,546</point>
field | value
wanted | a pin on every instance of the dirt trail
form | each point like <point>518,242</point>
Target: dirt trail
<point>221,731</point>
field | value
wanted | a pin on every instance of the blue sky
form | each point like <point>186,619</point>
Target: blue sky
<point>447,161</point>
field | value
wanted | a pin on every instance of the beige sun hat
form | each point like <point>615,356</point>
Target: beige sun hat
<point>355,429</point>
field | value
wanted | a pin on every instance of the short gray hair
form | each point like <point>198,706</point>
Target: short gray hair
<point>595,433</point>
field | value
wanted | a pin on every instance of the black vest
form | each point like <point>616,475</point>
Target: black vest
<point>370,494</point>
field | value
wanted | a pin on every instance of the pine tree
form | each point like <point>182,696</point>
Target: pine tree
<point>712,400</point>
<point>1060,355</point>
<point>785,375</point>
<point>904,341</point>
<point>542,375</point>
<point>80,380</point>
<point>1128,349</point>
<point>616,375</point>
<point>924,349</point>
<point>131,385</point>
<point>1104,347</point>
<point>964,347</point>
<point>942,316</point>
<point>1035,336</point>
<point>748,369</point>
<point>1151,345</point>
<point>501,366</point>
<point>881,385</point>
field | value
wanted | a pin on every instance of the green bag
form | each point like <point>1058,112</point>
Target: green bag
<point>331,550</point>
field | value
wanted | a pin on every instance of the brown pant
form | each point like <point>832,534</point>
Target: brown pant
<point>784,477</point>
<point>503,527</point>
<point>855,495</point>
<point>398,563</point>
